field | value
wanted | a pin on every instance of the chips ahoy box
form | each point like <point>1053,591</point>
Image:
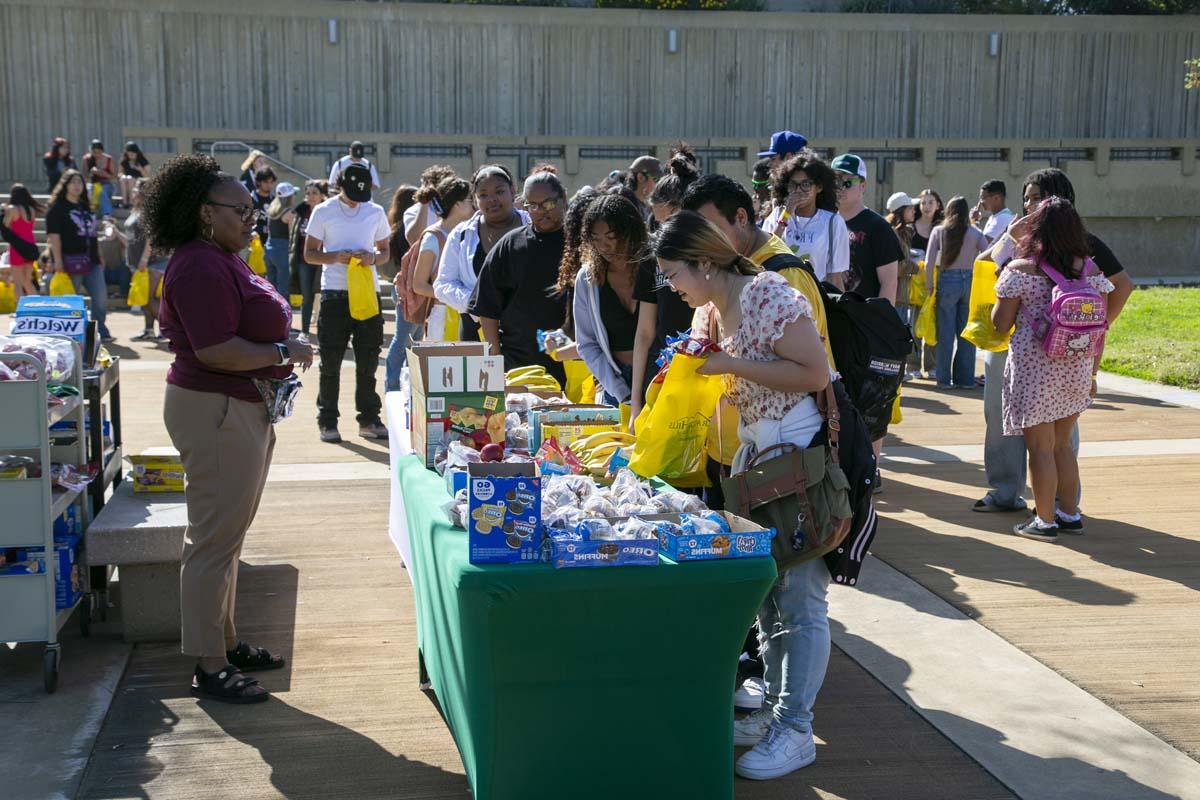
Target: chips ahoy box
<point>65,315</point>
<point>504,513</point>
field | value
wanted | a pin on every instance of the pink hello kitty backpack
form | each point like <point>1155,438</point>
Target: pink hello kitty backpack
<point>1075,322</point>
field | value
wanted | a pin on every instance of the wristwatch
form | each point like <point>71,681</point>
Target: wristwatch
<point>285,355</point>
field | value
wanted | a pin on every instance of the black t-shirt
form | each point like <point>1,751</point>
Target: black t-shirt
<point>77,226</point>
<point>619,322</point>
<point>515,287</point>
<point>299,228</point>
<point>260,219</point>
<point>1103,256</point>
<point>873,243</point>
<point>672,315</point>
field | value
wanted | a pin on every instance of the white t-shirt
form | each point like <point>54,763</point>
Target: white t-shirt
<point>997,224</point>
<point>346,161</point>
<point>342,228</point>
<point>431,244</point>
<point>410,217</point>
<point>808,237</point>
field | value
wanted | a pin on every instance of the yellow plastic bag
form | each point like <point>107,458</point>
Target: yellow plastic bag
<point>723,442</point>
<point>671,440</point>
<point>364,292</point>
<point>452,325</point>
<point>296,300</point>
<point>926,327</point>
<point>980,331</point>
<point>577,375</point>
<point>916,287</point>
<point>97,189</point>
<point>139,289</point>
<point>8,298</point>
<point>61,284</point>
<point>897,414</point>
<point>256,258</point>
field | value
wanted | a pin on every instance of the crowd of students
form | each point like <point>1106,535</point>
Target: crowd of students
<point>649,253</point>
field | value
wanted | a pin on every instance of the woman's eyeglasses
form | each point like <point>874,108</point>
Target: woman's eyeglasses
<point>244,212</point>
<point>800,187</point>
<point>545,205</point>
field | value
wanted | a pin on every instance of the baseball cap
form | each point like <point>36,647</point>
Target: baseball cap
<point>784,143</point>
<point>285,189</point>
<point>355,182</point>
<point>850,164</point>
<point>97,143</point>
<point>648,164</point>
<point>900,200</point>
<point>357,149</point>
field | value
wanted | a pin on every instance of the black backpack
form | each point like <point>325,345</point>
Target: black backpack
<point>857,460</point>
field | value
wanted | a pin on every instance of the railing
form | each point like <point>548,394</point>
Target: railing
<point>229,144</point>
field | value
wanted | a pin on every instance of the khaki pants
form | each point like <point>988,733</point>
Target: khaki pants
<point>225,445</point>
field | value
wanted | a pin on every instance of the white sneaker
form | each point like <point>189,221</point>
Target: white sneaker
<point>749,696</point>
<point>781,751</point>
<point>748,731</point>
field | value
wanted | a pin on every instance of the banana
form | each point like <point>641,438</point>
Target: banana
<point>611,436</point>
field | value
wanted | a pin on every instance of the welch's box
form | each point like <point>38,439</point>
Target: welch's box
<point>504,513</point>
<point>65,315</point>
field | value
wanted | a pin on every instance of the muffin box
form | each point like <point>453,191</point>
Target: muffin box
<point>568,550</point>
<point>504,513</point>
<point>746,539</point>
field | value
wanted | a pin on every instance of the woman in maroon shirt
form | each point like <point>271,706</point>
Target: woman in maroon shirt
<point>227,326</point>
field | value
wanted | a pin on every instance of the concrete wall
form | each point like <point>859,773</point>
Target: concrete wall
<point>496,71</point>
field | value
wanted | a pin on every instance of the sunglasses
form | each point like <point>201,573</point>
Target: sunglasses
<point>545,205</point>
<point>848,183</point>
<point>804,186</point>
<point>244,212</point>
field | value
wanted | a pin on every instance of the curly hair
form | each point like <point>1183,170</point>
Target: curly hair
<point>568,268</point>
<point>430,178</point>
<point>172,198</point>
<point>60,189</point>
<point>816,170</point>
<point>624,220</point>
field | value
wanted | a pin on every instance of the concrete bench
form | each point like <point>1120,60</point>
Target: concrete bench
<point>142,535</point>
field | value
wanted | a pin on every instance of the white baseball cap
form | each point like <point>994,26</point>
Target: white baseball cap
<point>285,189</point>
<point>900,200</point>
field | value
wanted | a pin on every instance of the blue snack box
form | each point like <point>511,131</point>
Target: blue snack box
<point>504,513</point>
<point>65,315</point>
<point>746,539</point>
<point>573,550</point>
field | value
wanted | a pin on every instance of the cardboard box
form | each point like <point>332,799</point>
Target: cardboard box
<point>566,551</point>
<point>64,315</point>
<point>457,392</point>
<point>157,469</point>
<point>570,423</point>
<point>68,572</point>
<point>504,513</point>
<point>746,540</point>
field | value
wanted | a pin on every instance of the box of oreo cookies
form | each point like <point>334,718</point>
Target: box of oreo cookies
<point>504,513</point>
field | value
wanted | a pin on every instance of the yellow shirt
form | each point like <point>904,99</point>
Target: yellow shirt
<point>802,282</point>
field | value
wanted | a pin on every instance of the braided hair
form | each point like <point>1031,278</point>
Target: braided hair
<point>172,198</point>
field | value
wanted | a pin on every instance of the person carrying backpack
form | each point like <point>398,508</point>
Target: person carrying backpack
<point>1057,299</point>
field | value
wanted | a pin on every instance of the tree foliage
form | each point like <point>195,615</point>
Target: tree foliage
<point>1022,6</point>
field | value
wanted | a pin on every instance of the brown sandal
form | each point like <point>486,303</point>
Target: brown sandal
<point>228,685</point>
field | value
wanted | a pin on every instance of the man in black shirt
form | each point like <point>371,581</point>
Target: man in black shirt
<point>264,193</point>
<point>875,251</point>
<point>514,297</point>
<point>1004,456</point>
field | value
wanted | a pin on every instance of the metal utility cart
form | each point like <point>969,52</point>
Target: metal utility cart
<point>28,610</point>
<point>98,384</point>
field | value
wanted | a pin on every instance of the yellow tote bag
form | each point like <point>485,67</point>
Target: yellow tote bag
<point>139,289</point>
<point>296,300</point>
<point>256,259</point>
<point>452,326</point>
<point>61,284</point>
<point>980,331</point>
<point>577,375</point>
<point>363,290</point>
<point>916,287</point>
<point>96,190</point>
<point>671,441</point>
<point>8,298</point>
<point>926,327</point>
<point>897,414</point>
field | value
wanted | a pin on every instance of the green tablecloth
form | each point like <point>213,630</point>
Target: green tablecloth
<point>613,683</point>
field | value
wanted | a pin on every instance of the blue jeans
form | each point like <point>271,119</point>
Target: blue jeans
<point>627,374</point>
<point>955,355</point>
<point>97,289</point>
<point>106,196</point>
<point>793,637</point>
<point>397,354</point>
<point>279,270</point>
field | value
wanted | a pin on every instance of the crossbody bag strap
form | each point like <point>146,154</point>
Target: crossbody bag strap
<point>828,406</point>
<point>829,257</point>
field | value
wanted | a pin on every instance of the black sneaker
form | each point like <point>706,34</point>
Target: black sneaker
<point>1069,526</point>
<point>1033,530</point>
<point>878,483</point>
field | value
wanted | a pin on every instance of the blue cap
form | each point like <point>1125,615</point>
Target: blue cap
<point>785,143</point>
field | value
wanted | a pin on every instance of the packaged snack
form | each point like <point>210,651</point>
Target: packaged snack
<point>634,528</point>
<point>599,505</point>
<point>14,468</point>
<point>593,528</point>
<point>565,517</point>
<point>678,503</point>
<point>568,551</point>
<point>696,538</point>
<point>57,356</point>
<point>504,513</point>
<point>635,510</point>
<point>580,486</point>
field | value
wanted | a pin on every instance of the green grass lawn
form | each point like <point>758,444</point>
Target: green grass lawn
<point>1157,337</point>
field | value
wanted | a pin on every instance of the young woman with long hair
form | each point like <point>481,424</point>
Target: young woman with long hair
<point>72,229</point>
<point>451,201</point>
<point>1044,396</point>
<point>58,159</point>
<point>772,360</point>
<point>19,216</point>
<point>604,306</point>
<point>315,193</point>
<point>952,249</point>
<point>134,166</point>
<point>140,255</point>
<point>930,213</point>
<point>403,199</point>
<point>901,215</point>
<point>804,188</point>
